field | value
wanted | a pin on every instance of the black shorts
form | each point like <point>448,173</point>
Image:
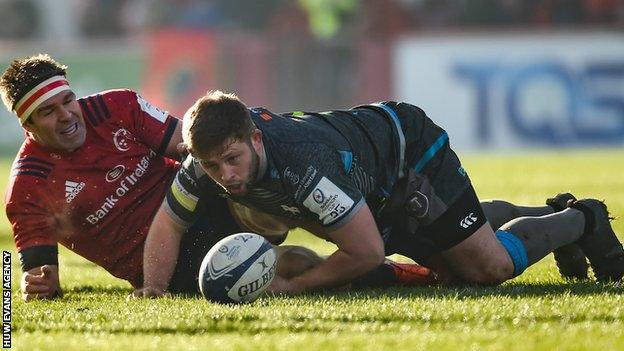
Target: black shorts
<point>458,222</point>
<point>454,212</point>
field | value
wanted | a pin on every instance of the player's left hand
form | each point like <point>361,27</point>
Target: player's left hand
<point>41,283</point>
<point>148,292</point>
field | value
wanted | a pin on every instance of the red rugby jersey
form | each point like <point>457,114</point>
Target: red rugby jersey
<point>99,200</point>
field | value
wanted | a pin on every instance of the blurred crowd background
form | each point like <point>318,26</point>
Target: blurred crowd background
<point>26,19</point>
<point>500,73</point>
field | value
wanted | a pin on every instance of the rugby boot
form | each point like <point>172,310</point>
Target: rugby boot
<point>599,242</point>
<point>570,258</point>
<point>412,274</point>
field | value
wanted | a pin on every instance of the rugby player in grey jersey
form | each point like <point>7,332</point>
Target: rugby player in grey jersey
<point>375,180</point>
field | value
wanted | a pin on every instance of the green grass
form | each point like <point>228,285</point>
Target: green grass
<point>537,311</point>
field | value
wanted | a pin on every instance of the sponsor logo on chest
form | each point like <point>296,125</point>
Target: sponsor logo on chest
<point>126,184</point>
<point>115,173</point>
<point>306,181</point>
<point>292,176</point>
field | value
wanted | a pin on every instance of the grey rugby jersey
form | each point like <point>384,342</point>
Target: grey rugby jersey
<point>320,166</point>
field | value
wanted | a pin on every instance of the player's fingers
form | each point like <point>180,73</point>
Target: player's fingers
<point>34,279</point>
<point>148,293</point>
<point>46,271</point>
<point>140,293</point>
<point>31,288</point>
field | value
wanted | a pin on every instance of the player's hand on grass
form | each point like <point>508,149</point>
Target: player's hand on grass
<point>41,283</point>
<point>280,285</point>
<point>149,292</point>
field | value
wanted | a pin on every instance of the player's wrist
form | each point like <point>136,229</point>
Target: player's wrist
<point>296,285</point>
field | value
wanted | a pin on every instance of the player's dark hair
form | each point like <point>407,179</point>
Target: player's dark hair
<point>214,119</point>
<point>25,73</point>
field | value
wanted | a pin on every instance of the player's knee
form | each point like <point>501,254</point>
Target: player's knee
<point>490,270</point>
<point>505,264</point>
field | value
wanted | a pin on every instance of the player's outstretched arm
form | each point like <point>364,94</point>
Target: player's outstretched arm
<point>41,283</point>
<point>160,255</point>
<point>360,249</point>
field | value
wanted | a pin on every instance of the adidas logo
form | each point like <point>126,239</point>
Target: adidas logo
<point>468,220</point>
<point>72,189</point>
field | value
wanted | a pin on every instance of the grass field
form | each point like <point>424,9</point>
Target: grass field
<point>537,311</point>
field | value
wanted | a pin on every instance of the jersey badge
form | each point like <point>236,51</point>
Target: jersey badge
<point>328,201</point>
<point>120,139</point>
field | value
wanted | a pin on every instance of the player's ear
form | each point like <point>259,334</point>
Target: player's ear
<point>256,136</point>
<point>256,140</point>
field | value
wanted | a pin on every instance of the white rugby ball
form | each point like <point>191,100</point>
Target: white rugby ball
<point>237,269</point>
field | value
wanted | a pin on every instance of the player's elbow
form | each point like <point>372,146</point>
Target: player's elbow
<point>380,256</point>
<point>367,254</point>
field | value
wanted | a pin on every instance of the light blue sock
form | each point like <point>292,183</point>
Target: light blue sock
<point>516,250</point>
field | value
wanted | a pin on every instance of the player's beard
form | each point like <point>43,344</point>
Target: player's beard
<point>254,168</point>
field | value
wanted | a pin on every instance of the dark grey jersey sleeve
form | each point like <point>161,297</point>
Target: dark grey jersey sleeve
<point>326,188</point>
<point>184,193</point>
<point>332,204</point>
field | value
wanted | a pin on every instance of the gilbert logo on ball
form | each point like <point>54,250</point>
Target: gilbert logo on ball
<point>237,269</point>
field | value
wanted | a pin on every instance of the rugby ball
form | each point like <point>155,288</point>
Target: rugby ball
<point>237,269</point>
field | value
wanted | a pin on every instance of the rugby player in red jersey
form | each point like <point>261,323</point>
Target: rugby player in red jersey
<point>90,175</point>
